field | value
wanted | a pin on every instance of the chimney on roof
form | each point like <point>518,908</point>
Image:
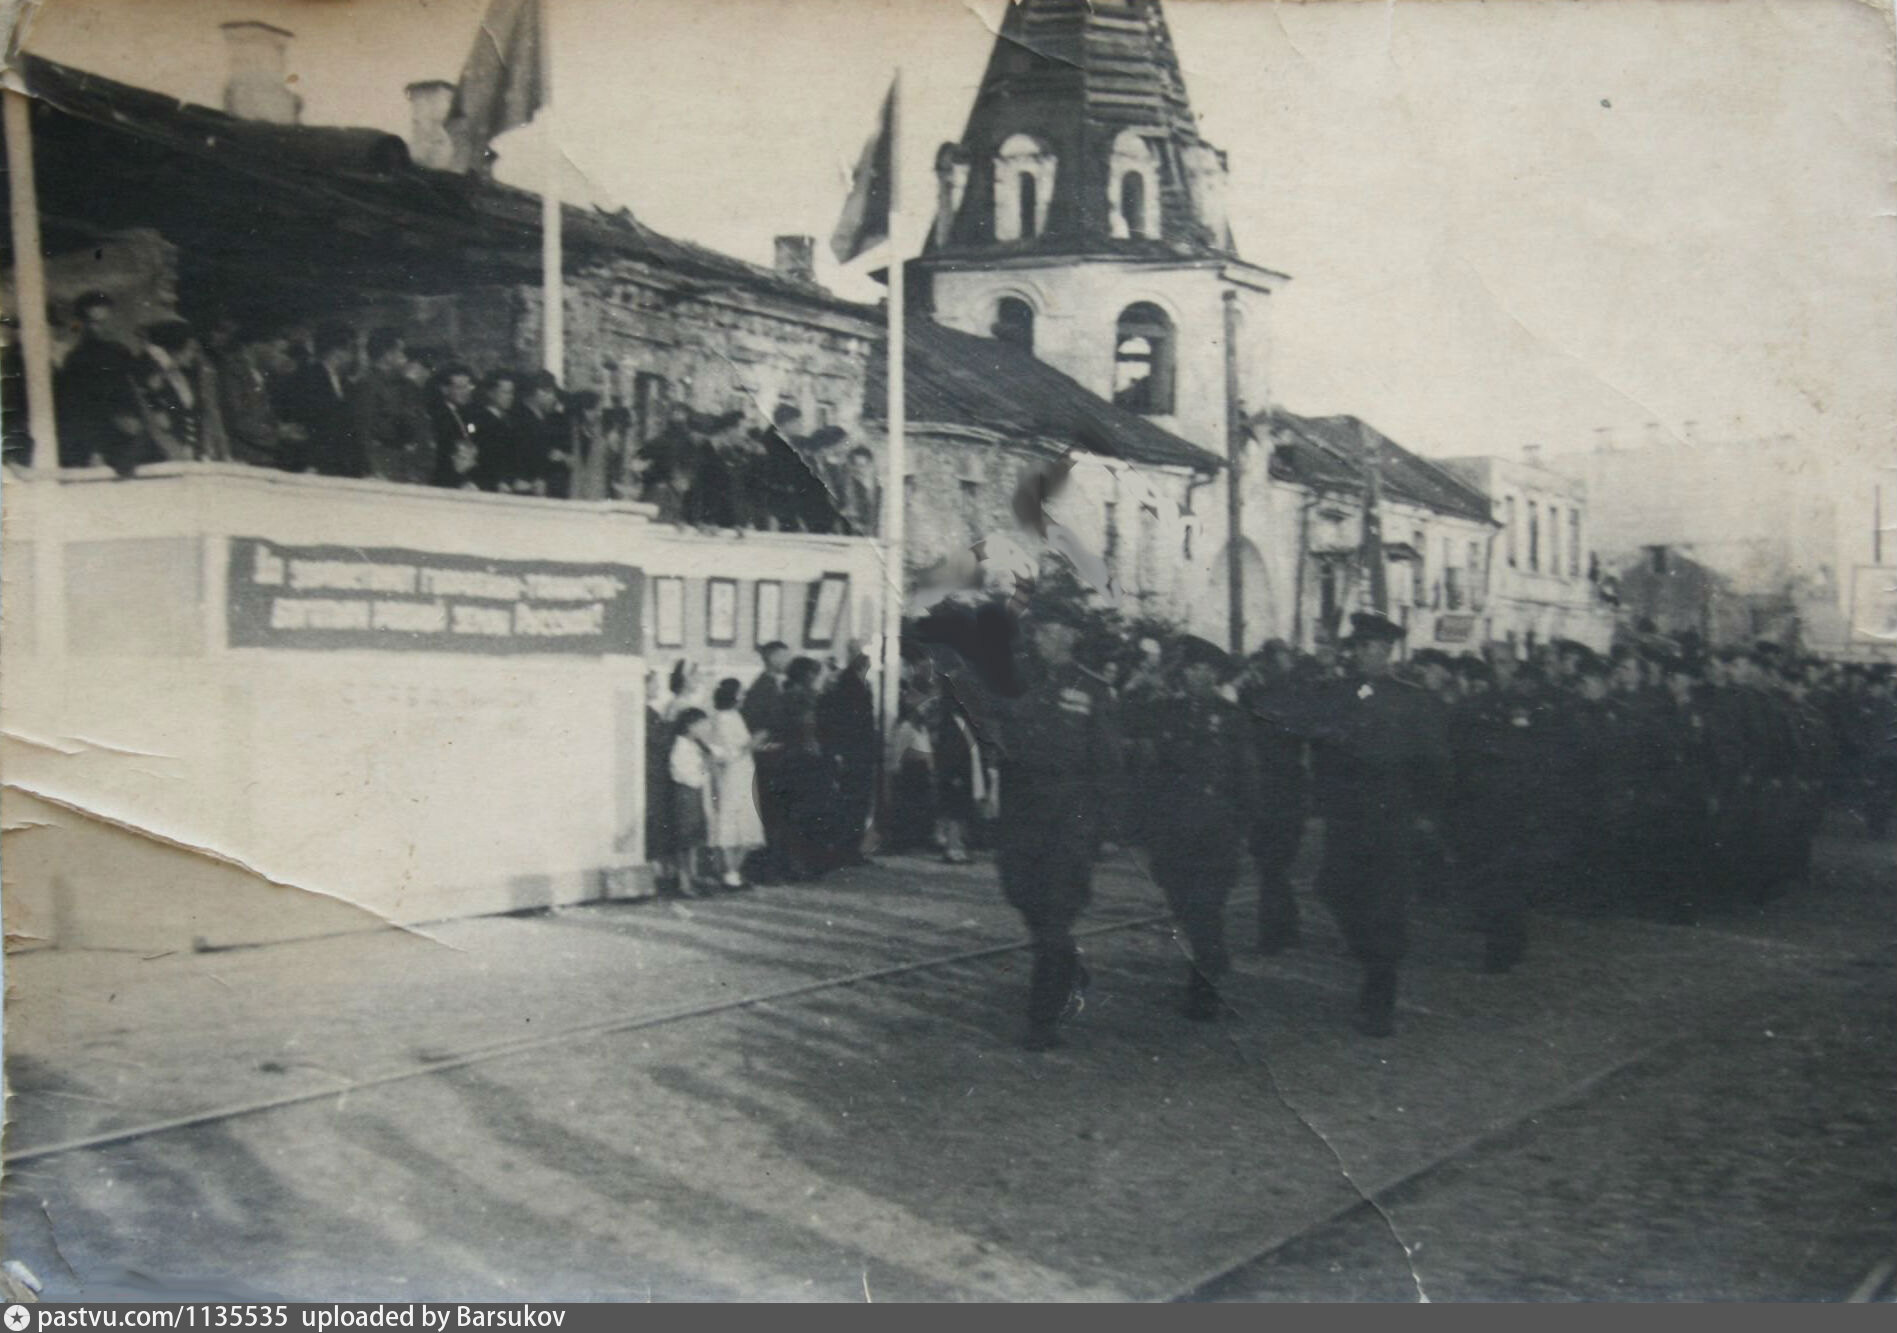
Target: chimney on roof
<point>431,140</point>
<point>1531,455</point>
<point>796,259</point>
<point>257,88</point>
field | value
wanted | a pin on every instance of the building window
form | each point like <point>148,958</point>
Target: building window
<point>1143,360</point>
<point>1024,185</point>
<point>1419,571</point>
<point>1014,322</point>
<point>1133,202</point>
<point>1534,536</point>
<point>1574,543</point>
<point>1133,186</point>
<point>1554,540</point>
<point>1475,575</point>
<point>1657,554</point>
<point>1112,539</point>
<point>1508,526</point>
<point>1452,588</point>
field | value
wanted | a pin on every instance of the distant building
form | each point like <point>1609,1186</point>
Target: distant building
<point>1746,539</point>
<point>1437,536</point>
<point>1541,574</point>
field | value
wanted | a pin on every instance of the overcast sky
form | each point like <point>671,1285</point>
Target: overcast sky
<point>1505,223</point>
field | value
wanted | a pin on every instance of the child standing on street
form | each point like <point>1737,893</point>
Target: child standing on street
<point>691,795</point>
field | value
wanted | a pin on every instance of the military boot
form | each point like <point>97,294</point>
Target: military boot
<point>1202,1004</point>
<point>1376,1006</point>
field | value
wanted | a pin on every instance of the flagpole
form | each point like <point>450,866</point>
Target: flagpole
<point>552,256</point>
<point>895,580</point>
<point>29,283</point>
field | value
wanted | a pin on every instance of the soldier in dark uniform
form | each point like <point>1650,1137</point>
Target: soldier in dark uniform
<point>1059,765</point>
<point>1382,762</point>
<point>1681,801</point>
<point>1500,740</point>
<point>1588,785</point>
<point>1281,792</point>
<point>1814,756</point>
<point>1195,801</point>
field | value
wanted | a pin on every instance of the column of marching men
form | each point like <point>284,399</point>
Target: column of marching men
<point>1656,780</point>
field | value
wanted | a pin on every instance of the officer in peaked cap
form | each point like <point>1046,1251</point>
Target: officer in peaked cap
<point>1195,802</point>
<point>1059,768</point>
<point>1381,755</point>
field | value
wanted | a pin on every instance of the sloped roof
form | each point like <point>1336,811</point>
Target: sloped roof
<point>957,379</point>
<point>1328,453</point>
<point>346,203</point>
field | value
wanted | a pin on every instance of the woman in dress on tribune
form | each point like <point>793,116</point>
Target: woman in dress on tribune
<point>736,826</point>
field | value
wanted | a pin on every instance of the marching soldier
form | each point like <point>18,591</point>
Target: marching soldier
<point>1195,803</point>
<point>1500,740</point>
<point>1281,793</point>
<point>1060,760</point>
<point>1382,761</point>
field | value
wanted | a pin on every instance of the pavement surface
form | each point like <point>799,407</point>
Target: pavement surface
<point>811,1093</point>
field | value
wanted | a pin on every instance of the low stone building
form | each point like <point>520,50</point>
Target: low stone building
<point>983,415</point>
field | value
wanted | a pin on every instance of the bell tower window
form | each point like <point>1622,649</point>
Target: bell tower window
<point>1014,322</point>
<point>1133,185</point>
<point>1024,186</point>
<point>1133,202</point>
<point>1143,360</point>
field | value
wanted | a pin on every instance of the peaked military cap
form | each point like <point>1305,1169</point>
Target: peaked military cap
<point>1374,625</point>
<point>1195,651</point>
<point>1588,662</point>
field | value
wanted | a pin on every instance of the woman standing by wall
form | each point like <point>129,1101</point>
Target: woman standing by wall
<point>736,827</point>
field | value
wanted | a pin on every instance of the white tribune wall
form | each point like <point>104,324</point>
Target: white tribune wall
<point>179,769</point>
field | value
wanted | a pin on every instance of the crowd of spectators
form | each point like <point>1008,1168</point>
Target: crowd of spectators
<point>774,783</point>
<point>341,402</point>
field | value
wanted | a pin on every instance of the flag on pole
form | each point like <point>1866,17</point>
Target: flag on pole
<point>505,78</point>
<point>865,221</point>
<point>1376,571</point>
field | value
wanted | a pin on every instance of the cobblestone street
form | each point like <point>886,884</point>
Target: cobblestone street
<point>811,1093</point>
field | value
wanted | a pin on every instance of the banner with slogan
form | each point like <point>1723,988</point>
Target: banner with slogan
<point>392,600</point>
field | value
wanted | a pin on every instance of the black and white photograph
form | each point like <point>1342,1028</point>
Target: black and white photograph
<point>1101,651</point>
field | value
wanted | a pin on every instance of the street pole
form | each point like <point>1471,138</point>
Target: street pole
<point>1234,492</point>
<point>895,582</point>
<point>552,237</point>
<point>29,283</point>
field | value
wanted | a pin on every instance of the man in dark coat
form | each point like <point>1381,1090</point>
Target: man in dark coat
<point>457,457</point>
<point>764,713</point>
<point>546,438</point>
<point>93,394</point>
<point>1059,767</point>
<point>391,414</point>
<point>1502,741</point>
<point>498,435</point>
<point>846,728</point>
<point>1381,757</point>
<point>1196,799</point>
<point>1282,794</point>
<point>247,358</point>
<point>316,400</point>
